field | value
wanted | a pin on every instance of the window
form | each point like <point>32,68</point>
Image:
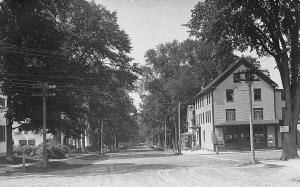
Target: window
<point>282,95</point>
<point>258,114</point>
<point>236,77</point>
<point>204,135</point>
<point>230,114</point>
<point>31,142</point>
<point>283,113</point>
<point>22,142</point>
<point>229,95</point>
<point>2,133</point>
<point>257,94</point>
<point>203,117</point>
<point>208,116</point>
<point>2,103</point>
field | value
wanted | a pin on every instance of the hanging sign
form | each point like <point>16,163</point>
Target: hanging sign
<point>284,128</point>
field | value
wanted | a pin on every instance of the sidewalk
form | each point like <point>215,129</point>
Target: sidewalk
<point>10,168</point>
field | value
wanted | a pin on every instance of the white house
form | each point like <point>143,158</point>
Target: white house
<point>221,112</point>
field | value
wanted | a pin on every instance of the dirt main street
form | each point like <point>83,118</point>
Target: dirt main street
<point>145,167</point>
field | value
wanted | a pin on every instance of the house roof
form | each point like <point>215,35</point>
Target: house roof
<point>229,71</point>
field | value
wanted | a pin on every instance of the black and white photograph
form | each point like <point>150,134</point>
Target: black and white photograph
<point>149,93</point>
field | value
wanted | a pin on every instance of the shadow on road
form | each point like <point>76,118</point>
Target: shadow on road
<point>113,156</point>
<point>69,170</point>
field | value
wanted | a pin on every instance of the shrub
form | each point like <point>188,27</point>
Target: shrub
<point>29,150</point>
<point>54,150</point>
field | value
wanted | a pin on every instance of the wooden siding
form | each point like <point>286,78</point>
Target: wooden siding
<point>241,99</point>
<point>279,104</point>
<point>207,127</point>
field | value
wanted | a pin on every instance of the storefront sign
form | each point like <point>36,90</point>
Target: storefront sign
<point>284,129</point>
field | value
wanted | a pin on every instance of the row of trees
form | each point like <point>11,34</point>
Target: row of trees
<point>74,52</point>
<point>175,72</point>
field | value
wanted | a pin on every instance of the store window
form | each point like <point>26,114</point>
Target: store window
<point>2,133</point>
<point>258,114</point>
<point>229,95</point>
<point>257,94</point>
<point>230,114</point>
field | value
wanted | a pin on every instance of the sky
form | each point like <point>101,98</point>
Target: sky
<point>152,22</point>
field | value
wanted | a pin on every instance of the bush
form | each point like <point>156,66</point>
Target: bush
<point>29,150</point>
<point>54,150</point>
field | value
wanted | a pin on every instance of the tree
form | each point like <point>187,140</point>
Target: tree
<point>175,72</point>
<point>271,28</point>
<point>76,47</point>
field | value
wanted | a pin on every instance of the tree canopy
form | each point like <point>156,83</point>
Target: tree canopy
<point>74,47</point>
<point>271,28</point>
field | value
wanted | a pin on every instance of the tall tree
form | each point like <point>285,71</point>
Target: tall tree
<point>180,70</point>
<point>271,28</point>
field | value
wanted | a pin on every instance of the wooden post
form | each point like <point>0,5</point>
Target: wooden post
<point>165,132</point>
<point>252,155</point>
<point>45,159</point>
<point>101,137</point>
<point>179,131</point>
<point>23,160</point>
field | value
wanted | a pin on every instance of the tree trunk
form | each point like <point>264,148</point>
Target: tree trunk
<point>9,140</point>
<point>292,110</point>
<point>289,139</point>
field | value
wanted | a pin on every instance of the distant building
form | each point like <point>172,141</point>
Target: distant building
<point>221,112</point>
<point>2,125</point>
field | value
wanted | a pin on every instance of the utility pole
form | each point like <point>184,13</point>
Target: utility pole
<point>252,156</point>
<point>45,156</point>
<point>101,137</point>
<point>249,78</point>
<point>45,92</point>
<point>179,130</point>
<point>165,132</point>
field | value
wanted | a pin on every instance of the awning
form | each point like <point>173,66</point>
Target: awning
<point>255,122</point>
<point>195,127</point>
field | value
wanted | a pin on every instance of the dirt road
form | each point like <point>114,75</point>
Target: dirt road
<point>145,167</point>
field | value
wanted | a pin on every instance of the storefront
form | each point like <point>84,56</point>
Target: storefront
<point>237,137</point>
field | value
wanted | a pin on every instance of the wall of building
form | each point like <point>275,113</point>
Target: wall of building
<point>207,133</point>
<point>3,124</point>
<point>241,101</point>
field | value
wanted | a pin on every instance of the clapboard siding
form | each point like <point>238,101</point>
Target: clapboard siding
<point>279,104</point>
<point>241,99</point>
<point>207,127</point>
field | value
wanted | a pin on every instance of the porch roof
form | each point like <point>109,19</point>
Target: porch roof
<point>195,127</point>
<point>255,122</point>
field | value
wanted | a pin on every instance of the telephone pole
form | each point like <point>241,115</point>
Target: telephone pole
<point>44,87</point>
<point>179,131</point>
<point>249,79</point>
<point>45,156</point>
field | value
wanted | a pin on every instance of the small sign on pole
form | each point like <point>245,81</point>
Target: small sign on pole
<point>284,128</point>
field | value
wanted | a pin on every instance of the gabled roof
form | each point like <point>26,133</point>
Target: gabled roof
<point>229,71</point>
